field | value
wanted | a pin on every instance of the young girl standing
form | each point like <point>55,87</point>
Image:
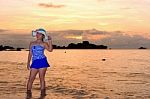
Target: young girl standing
<point>39,60</point>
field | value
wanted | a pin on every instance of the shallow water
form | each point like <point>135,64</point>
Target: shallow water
<point>80,74</point>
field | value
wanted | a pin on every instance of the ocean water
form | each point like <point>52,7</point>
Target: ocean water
<point>80,74</point>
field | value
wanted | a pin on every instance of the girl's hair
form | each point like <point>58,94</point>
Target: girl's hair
<point>43,36</point>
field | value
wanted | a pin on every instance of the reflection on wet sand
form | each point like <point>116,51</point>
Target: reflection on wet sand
<point>84,77</point>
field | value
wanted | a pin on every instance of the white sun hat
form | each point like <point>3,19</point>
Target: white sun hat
<point>42,31</point>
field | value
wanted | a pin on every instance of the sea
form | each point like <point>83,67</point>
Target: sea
<point>80,74</point>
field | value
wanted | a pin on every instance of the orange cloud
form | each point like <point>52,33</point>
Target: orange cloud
<point>50,5</point>
<point>74,37</point>
<point>3,30</point>
<point>97,37</point>
<point>100,0</point>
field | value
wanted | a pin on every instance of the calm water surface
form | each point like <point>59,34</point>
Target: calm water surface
<point>80,74</point>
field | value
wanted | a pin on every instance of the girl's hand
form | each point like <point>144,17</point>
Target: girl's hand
<point>49,38</point>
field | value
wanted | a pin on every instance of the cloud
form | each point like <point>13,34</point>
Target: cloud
<point>101,0</point>
<point>73,32</point>
<point>3,30</point>
<point>96,32</point>
<point>65,37</point>
<point>50,5</point>
<point>15,40</point>
<point>115,39</point>
<point>118,39</point>
<point>126,8</point>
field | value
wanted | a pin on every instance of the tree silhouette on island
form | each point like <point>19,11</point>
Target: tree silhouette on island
<point>142,48</point>
<point>9,48</point>
<point>83,45</point>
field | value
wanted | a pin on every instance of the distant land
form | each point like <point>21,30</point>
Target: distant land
<point>142,48</point>
<point>9,48</point>
<point>83,45</point>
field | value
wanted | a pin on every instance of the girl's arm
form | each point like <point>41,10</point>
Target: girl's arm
<point>29,57</point>
<point>49,46</point>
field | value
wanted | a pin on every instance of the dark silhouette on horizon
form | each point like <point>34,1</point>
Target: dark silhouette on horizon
<point>83,45</point>
<point>9,48</point>
<point>142,48</point>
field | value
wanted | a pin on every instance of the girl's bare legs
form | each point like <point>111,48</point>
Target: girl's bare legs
<point>42,72</point>
<point>32,76</point>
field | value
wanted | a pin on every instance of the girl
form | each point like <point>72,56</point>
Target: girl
<point>39,60</point>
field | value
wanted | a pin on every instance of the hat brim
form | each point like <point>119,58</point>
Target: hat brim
<point>45,34</point>
<point>33,33</point>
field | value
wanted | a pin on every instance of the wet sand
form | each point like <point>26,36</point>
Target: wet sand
<point>80,74</point>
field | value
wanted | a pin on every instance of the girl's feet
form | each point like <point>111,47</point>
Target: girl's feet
<point>29,94</point>
<point>43,92</point>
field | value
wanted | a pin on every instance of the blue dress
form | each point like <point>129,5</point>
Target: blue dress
<point>39,60</point>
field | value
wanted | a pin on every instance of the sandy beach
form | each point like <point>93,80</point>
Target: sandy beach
<point>80,74</point>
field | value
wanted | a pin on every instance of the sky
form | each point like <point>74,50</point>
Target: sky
<point>115,23</point>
